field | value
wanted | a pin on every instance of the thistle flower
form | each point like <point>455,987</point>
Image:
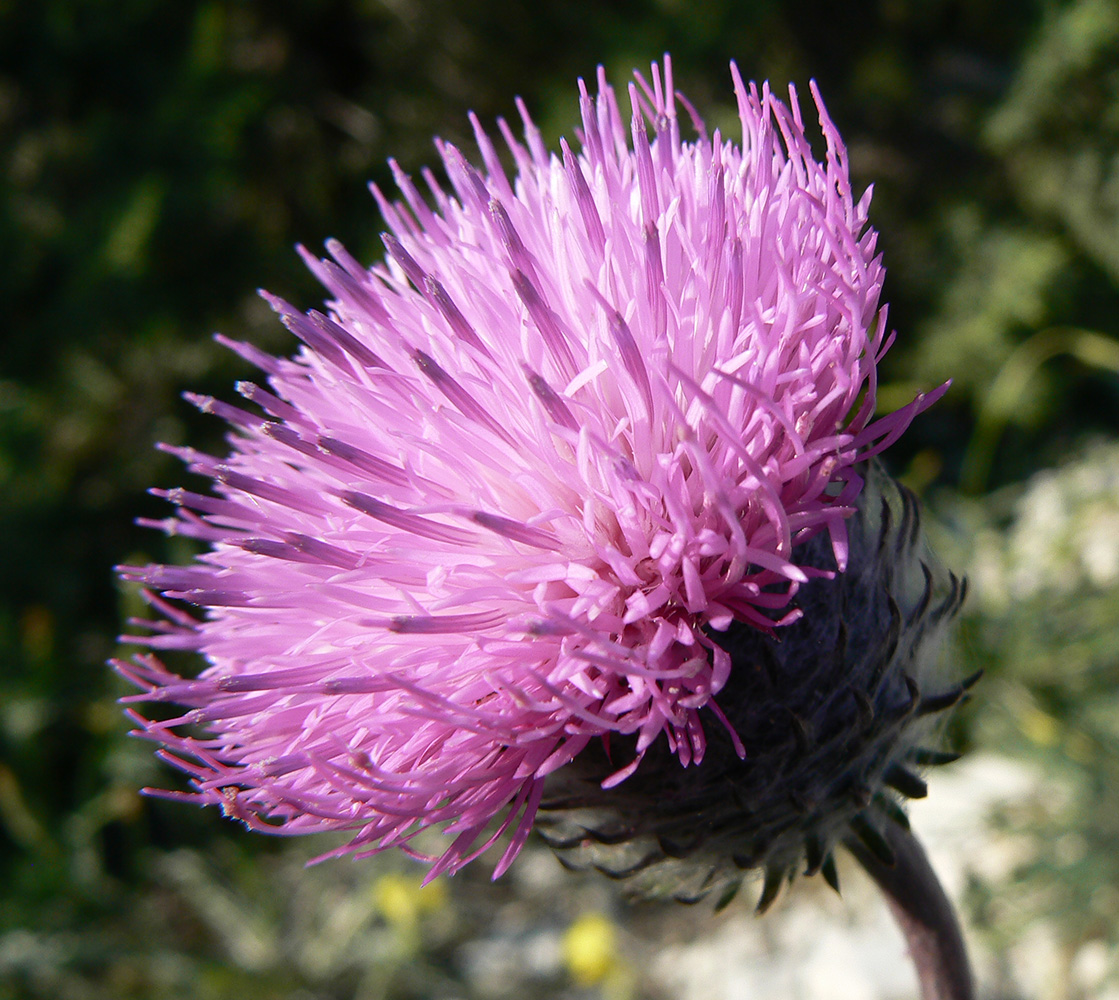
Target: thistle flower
<point>563,487</point>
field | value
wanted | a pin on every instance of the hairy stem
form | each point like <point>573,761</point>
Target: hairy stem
<point>923,912</point>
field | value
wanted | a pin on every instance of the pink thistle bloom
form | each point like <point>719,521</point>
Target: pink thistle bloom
<point>519,474</point>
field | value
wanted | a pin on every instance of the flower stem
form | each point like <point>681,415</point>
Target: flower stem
<point>923,912</point>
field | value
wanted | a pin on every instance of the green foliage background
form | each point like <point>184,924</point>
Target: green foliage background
<point>157,162</point>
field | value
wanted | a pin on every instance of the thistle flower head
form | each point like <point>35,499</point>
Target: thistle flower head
<point>527,477</point>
